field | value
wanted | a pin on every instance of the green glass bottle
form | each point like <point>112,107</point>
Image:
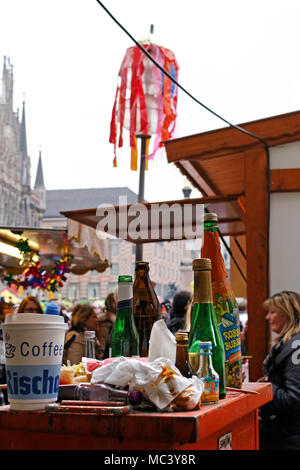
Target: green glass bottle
<point>204,326</point>
<point>124,338</point>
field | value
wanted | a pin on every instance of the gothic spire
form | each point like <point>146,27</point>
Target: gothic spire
<point>39,179</point>
<point>23,138</point>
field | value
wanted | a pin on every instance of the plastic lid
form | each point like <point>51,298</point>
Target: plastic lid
<point>210,217</point>
<point>89,334</point>
<point>125,279</point>
<point>201,264</point>
<point>30,318</point>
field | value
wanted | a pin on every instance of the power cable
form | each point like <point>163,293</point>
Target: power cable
<point>238,128</point>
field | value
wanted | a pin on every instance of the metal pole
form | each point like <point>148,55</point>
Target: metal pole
<point>139,246</point>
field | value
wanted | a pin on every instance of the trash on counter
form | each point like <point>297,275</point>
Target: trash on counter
<point>159,381</point>
<point>73,374</point>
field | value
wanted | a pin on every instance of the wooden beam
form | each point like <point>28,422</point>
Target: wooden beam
<point>276,130</point>
<point>285,180</point>
<point>199,181</point>
<point>257,259</point>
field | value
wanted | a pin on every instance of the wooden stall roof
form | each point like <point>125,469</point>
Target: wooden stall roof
<point>229,220</point>
<point>213,161</point>
<point>50,245</point>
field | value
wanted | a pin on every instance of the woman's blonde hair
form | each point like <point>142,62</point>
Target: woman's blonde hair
<point>111,302</point>
<point>287,303</point>
<point>80,315</point>
<point>26,300</point>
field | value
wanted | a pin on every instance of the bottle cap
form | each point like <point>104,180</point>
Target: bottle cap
<point>125,279</point>
<point>210,217</point>
<point>142,265</point>
<point>201,264</point>
<point>89,334</point>
<point>182,336</point>
<point>205,345</point>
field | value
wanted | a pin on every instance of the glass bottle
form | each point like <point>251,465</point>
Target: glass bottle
<point>207,373</point>
<point>146,309</point>
<point>124,338</point>
<point>204,326</point>
<point>182,355</point>
<point>225,305</point>
<point>90,344</point>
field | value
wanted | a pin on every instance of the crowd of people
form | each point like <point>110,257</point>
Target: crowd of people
<point>279,419</point>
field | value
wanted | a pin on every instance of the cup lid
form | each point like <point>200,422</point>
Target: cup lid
<point>29,318</point>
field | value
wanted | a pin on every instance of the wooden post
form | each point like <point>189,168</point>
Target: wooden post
<point>257,256</point>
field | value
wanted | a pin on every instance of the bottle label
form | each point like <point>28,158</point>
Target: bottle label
<point>211,390</point>
<point>142,294</point>
<point>125,304</point>
<point>203,295</point>
<point>227,315</point>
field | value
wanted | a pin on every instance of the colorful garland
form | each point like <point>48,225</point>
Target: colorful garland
<point>36,277</point>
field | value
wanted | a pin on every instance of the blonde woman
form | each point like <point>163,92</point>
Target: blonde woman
<point>280,419</point>
<point>83,318</point>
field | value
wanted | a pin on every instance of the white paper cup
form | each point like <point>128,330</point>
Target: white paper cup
<point>34,345</point>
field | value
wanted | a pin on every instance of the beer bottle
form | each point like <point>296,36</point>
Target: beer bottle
<point>226,308</point>
<point>90,344</point>
<point>204,326</point>
<point>146,309</point>
<point>182,355</point>
<point>124,338</point>
<point>208,375</point>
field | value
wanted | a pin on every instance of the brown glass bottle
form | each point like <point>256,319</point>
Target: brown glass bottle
<point>182,355</point>
<point>146,308</point>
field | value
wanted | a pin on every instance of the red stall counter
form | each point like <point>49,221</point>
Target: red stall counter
<point>232,423</point>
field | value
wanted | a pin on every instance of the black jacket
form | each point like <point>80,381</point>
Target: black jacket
<point>280,418</point>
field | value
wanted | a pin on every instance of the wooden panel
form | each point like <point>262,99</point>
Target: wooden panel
<point>257,246</point>
<point>238,284</point>
<point>285,180</point>
<point>226,173</point>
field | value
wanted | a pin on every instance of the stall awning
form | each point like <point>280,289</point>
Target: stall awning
<point>86,251</point>
<point>230,222</point>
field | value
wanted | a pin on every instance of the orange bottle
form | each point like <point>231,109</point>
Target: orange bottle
<point>226,308</point>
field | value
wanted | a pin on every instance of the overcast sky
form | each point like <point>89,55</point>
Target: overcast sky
<point>240,58</point>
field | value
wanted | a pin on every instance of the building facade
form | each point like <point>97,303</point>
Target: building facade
<point>170,262</point>
<point>20,205</point>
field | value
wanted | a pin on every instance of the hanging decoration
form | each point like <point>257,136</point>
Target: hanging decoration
<point>146,99</point>
<point>34,275</point>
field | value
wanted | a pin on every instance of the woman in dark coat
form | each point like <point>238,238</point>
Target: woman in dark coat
<point>280,418</point>
<point>177,320</point>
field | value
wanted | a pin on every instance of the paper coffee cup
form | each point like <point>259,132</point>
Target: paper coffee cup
<point>34,345</point>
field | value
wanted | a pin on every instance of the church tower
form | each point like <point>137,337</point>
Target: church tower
<point>39,189</point>
<point>20,205</point>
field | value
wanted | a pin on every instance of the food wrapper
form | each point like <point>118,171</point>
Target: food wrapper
<point>159,381</point>
<point>162,342</point>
